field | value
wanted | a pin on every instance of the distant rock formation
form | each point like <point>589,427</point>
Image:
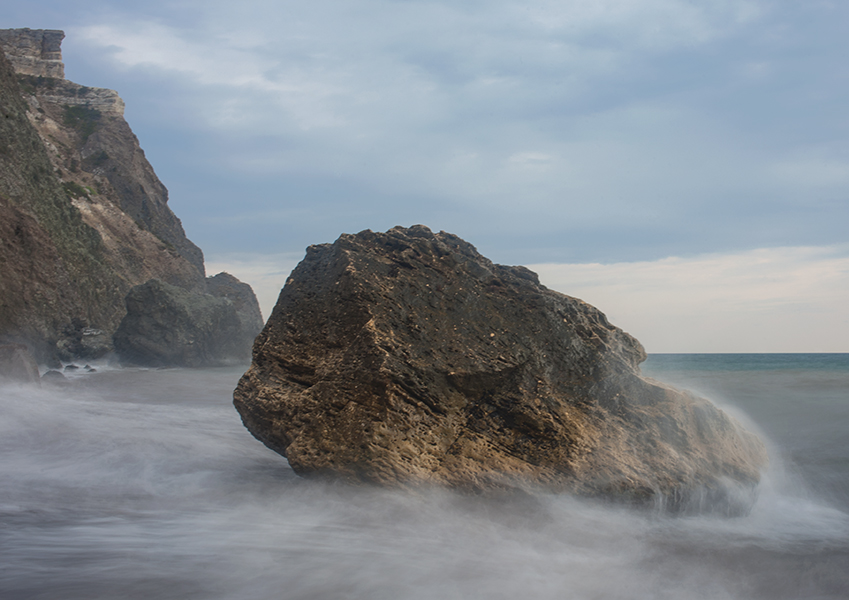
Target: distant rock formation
<point>406,357</point>
<point>169,326</point>
<point>83,216</point>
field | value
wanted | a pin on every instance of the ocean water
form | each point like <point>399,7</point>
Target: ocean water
<point>144,484</point>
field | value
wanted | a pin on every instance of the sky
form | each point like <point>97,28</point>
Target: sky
<point>683,165</point>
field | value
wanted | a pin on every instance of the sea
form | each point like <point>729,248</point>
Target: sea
<point>133,483</point>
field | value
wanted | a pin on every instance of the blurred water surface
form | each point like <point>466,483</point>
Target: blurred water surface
<point>144,484</point>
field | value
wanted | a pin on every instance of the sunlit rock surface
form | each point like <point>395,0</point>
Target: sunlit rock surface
<point>36,52</point>
<point>406,358</point>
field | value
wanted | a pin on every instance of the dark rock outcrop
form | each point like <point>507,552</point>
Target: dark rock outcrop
<point>406,357</point>
<point>54,376</point>
<point>169,326</point>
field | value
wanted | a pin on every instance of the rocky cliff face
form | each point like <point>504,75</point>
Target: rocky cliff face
<point>100,163</point>
<point>46,247</point>
<point>406,358</point>
<point>83,216</point>
<point>34,52</point>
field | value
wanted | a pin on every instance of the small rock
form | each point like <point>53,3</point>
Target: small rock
<point>53,375</point>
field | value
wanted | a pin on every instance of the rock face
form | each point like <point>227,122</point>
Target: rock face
<point>169,326</point>
<point>406,357</point>
<point>53,266</point>
<point>102,169</point>
<point>34,52</point>
<point>83,216</point>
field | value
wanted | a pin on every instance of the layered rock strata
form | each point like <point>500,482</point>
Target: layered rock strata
<point>406,358</point>
<point>35,52</point>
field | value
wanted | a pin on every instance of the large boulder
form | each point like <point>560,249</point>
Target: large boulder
<point>169,326</point>
<point>406,357</point>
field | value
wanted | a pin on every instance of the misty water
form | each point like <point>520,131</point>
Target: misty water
<point>144,484</point>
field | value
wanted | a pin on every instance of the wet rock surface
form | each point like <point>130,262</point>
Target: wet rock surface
<point>407,358</point>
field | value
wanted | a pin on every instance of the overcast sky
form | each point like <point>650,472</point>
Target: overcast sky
<point>681,164</point>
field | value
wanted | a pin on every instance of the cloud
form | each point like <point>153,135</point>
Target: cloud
<point>395,92</point>
<point>787,299</point>
<point>764,300</point>
<point>814,170</point>
<point>372,68</point>
<point>570,129</point>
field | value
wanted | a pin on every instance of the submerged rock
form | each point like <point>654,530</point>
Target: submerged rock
<point>406,357</point>
<point>167,326</point>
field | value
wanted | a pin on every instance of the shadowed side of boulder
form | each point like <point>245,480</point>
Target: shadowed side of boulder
<point>169,326</point>
<point>406,358</point>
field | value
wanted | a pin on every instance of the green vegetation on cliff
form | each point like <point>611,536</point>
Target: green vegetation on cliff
<point>83,119</point>
<point>74,279</point>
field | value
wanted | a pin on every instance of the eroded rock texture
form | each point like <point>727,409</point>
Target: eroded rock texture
<point>35,52</point>
<point>406,357</point>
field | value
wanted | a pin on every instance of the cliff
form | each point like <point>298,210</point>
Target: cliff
<point>34,52</point>
<point>83,216</point>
